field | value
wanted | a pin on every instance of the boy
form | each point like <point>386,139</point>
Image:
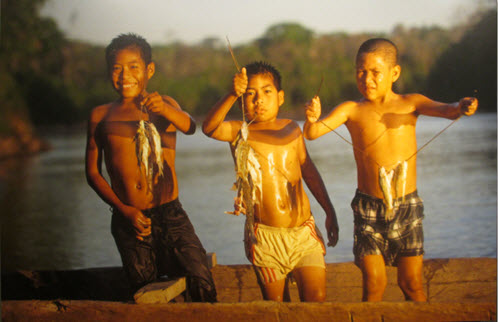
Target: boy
<point>387,210</point>
<point>153,233</point>
<point>286,236</point>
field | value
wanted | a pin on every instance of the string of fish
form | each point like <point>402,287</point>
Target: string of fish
<point>392,182</point>
<point>248,171</point>
<point>148,150</point>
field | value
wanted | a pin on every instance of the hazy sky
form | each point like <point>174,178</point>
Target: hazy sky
<point>162,21</point>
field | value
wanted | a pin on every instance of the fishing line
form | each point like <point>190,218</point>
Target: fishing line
<point>366,154</point>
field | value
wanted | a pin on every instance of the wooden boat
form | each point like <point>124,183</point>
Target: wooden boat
<point>458,289</point>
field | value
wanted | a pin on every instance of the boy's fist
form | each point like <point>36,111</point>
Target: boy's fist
<point>239,83</point>
<point>468,105</point>
<point>313,109</point>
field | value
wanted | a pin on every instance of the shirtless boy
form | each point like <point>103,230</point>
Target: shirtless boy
<point>153,233</point>
<point>287,238</point>
<point>388,225</point>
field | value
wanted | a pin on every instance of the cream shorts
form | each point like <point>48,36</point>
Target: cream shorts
<point>279,251</point>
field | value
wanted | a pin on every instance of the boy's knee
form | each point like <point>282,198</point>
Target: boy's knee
<point>317,295</point>
<point>376,283</point>
<point>410,285</point>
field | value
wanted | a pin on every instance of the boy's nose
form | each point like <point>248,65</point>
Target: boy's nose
<point>369,79</point>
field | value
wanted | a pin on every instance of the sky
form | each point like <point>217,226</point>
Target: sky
<point>191,21</point>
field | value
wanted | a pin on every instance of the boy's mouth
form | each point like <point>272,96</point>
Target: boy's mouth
<point>128,85</point>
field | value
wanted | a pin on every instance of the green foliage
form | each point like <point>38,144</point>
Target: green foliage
<point>59,81</point>
<point>32,56</point>
<point>468,68</point>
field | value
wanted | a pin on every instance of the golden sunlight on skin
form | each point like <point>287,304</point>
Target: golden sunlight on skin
<point>382,127</point>
<point>111,133</point>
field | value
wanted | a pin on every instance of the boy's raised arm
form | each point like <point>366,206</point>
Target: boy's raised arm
<point>214,125</point>
<point>425,106</point>
<point>314,127</point>
<point>315,184</point>
<point>168,108</point>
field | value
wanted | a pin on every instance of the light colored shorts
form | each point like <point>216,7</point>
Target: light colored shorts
<point>279,251</point>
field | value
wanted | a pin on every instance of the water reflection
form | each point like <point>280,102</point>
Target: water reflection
<point>51,219</point>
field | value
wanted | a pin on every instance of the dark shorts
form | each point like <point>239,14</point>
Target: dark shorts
<point>401,236</point>
<point>172,249</point>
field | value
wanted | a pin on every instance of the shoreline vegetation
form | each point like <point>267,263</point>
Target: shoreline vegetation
<point>50,80</point>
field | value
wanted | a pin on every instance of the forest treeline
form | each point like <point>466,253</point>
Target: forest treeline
<point>51,80</point>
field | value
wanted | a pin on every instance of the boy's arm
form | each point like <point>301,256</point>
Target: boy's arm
<point>215,125</point>
<point>314,127</point>
<point>93,171</point>
<point>425,106</point>
<point>315,184</point>
<point>168,108</point>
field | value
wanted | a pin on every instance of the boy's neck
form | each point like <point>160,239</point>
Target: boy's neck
<point>383,100</point>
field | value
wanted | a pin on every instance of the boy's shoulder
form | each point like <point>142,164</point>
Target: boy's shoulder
<point>100,111</point>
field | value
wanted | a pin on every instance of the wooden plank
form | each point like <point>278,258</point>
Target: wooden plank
<point>165,291</point>
<point>160,292</point>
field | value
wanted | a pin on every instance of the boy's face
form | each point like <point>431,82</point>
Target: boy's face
<point>129,75</point>
<point>375,76</point>
<point>262,100</point>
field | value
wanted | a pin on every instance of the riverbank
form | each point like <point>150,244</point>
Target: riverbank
<point>462,289</point>
<point>21,139</point>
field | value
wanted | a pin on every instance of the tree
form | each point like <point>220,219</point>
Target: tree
<point>32,52</point>
<point>468,68</point>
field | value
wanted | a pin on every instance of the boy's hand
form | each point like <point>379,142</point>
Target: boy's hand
<point>154,103</point>
<point>467,105</point>
<point>313,110</point>
<point>239,83</point>
<point>332,230</point>
<point>140,222</point>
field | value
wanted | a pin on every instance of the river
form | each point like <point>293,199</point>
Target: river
<point>52,219</point>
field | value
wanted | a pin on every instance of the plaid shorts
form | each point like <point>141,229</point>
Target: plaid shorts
<point>401,236</point>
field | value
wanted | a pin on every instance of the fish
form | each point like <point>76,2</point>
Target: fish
<point>385,179</point>
<point>148,150</point>
<point>393,185</point>
<point>248,178</point>
<point>400,179</point>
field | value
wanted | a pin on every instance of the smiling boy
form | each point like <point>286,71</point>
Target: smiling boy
<point>387,210</point>
<point>287,238</point>
<point>153,233</point>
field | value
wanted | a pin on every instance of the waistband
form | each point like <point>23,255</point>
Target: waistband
<point>169,204</point>
<point>409,196</point>
<point>307,222</point>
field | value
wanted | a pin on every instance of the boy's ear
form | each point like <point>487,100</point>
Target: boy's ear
<point>280,97</point>
<point>396,72</point>
<point>151,69</point>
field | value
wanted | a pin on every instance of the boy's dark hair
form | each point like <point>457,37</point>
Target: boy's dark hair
<point>261,67</point>
<point>129,40</point>
<point>387,47</point>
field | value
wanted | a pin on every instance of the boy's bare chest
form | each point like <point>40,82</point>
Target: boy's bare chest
<point>277,159</point>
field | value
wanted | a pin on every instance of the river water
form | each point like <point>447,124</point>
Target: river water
<point>51,218</point>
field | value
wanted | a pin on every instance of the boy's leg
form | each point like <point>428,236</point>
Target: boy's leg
<point>177,232</point>
<point>138,257</point>
<point>373,269</point>
<point>311,282</point>
<point>410,278</point>
<point>274,291</point>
